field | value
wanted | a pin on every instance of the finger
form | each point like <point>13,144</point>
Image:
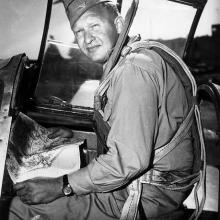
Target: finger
<point>25,200</point>
<point>54,134</point>
<point>19,186</point>
<point>66,133</point>
<point>52,129</point>
<point>70,134</point>
<point>21,193</point>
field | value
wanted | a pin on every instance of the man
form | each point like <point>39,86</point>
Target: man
<point>146,103</point>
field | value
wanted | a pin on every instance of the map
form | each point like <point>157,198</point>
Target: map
<point>32,154</point>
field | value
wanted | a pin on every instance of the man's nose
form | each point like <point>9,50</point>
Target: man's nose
<point>88,36</point>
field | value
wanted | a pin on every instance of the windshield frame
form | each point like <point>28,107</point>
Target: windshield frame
<point>197,4</point>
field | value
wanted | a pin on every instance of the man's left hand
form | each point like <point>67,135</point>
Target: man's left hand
<point>39,190</point>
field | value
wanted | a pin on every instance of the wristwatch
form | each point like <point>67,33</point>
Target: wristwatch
<point>67,189</point>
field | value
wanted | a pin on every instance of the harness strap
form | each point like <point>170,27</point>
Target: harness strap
<point>198,178</point>
<point>178,137</point>
<point>130,209</point>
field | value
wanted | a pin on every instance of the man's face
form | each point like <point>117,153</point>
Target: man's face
<point>96,35</point>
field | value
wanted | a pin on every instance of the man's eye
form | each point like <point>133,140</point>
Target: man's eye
<point>78,33</point>
<point>95,26</point>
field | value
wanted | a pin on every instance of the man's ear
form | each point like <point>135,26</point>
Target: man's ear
<point>119,23</point>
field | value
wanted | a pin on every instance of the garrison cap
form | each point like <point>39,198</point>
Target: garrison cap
<point>75,8</point>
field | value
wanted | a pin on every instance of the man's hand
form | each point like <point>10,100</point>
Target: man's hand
<point>60,132</point>
<point>39,190</point>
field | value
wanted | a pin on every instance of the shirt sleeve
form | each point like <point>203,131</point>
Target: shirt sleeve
<point>133,120</point>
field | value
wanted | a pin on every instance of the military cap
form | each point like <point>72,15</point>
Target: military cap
<point>75,8</point>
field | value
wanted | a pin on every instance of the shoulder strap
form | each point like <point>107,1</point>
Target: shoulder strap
<point>189,84</point>
<point>122,37</point>
<point>115,55</point>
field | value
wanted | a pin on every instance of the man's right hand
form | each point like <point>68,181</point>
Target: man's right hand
<point>39,190</point>
<point>60,132</point>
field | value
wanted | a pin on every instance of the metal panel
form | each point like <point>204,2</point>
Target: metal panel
<point>8,69</point>
<point>194,3</point>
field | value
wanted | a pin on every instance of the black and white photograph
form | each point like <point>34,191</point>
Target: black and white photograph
<point>109,109</point>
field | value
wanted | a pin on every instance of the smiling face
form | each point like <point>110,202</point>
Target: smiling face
<point>96,34</point>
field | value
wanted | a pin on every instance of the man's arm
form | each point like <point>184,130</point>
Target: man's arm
<point>134,119</point>
<point>39,190</point>
<point>43,190</point>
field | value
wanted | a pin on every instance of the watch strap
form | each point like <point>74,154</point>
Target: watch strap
<point>67,189</point>
<point>65,180</point>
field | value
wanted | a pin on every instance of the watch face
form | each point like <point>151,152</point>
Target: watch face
<point>67,190</point>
